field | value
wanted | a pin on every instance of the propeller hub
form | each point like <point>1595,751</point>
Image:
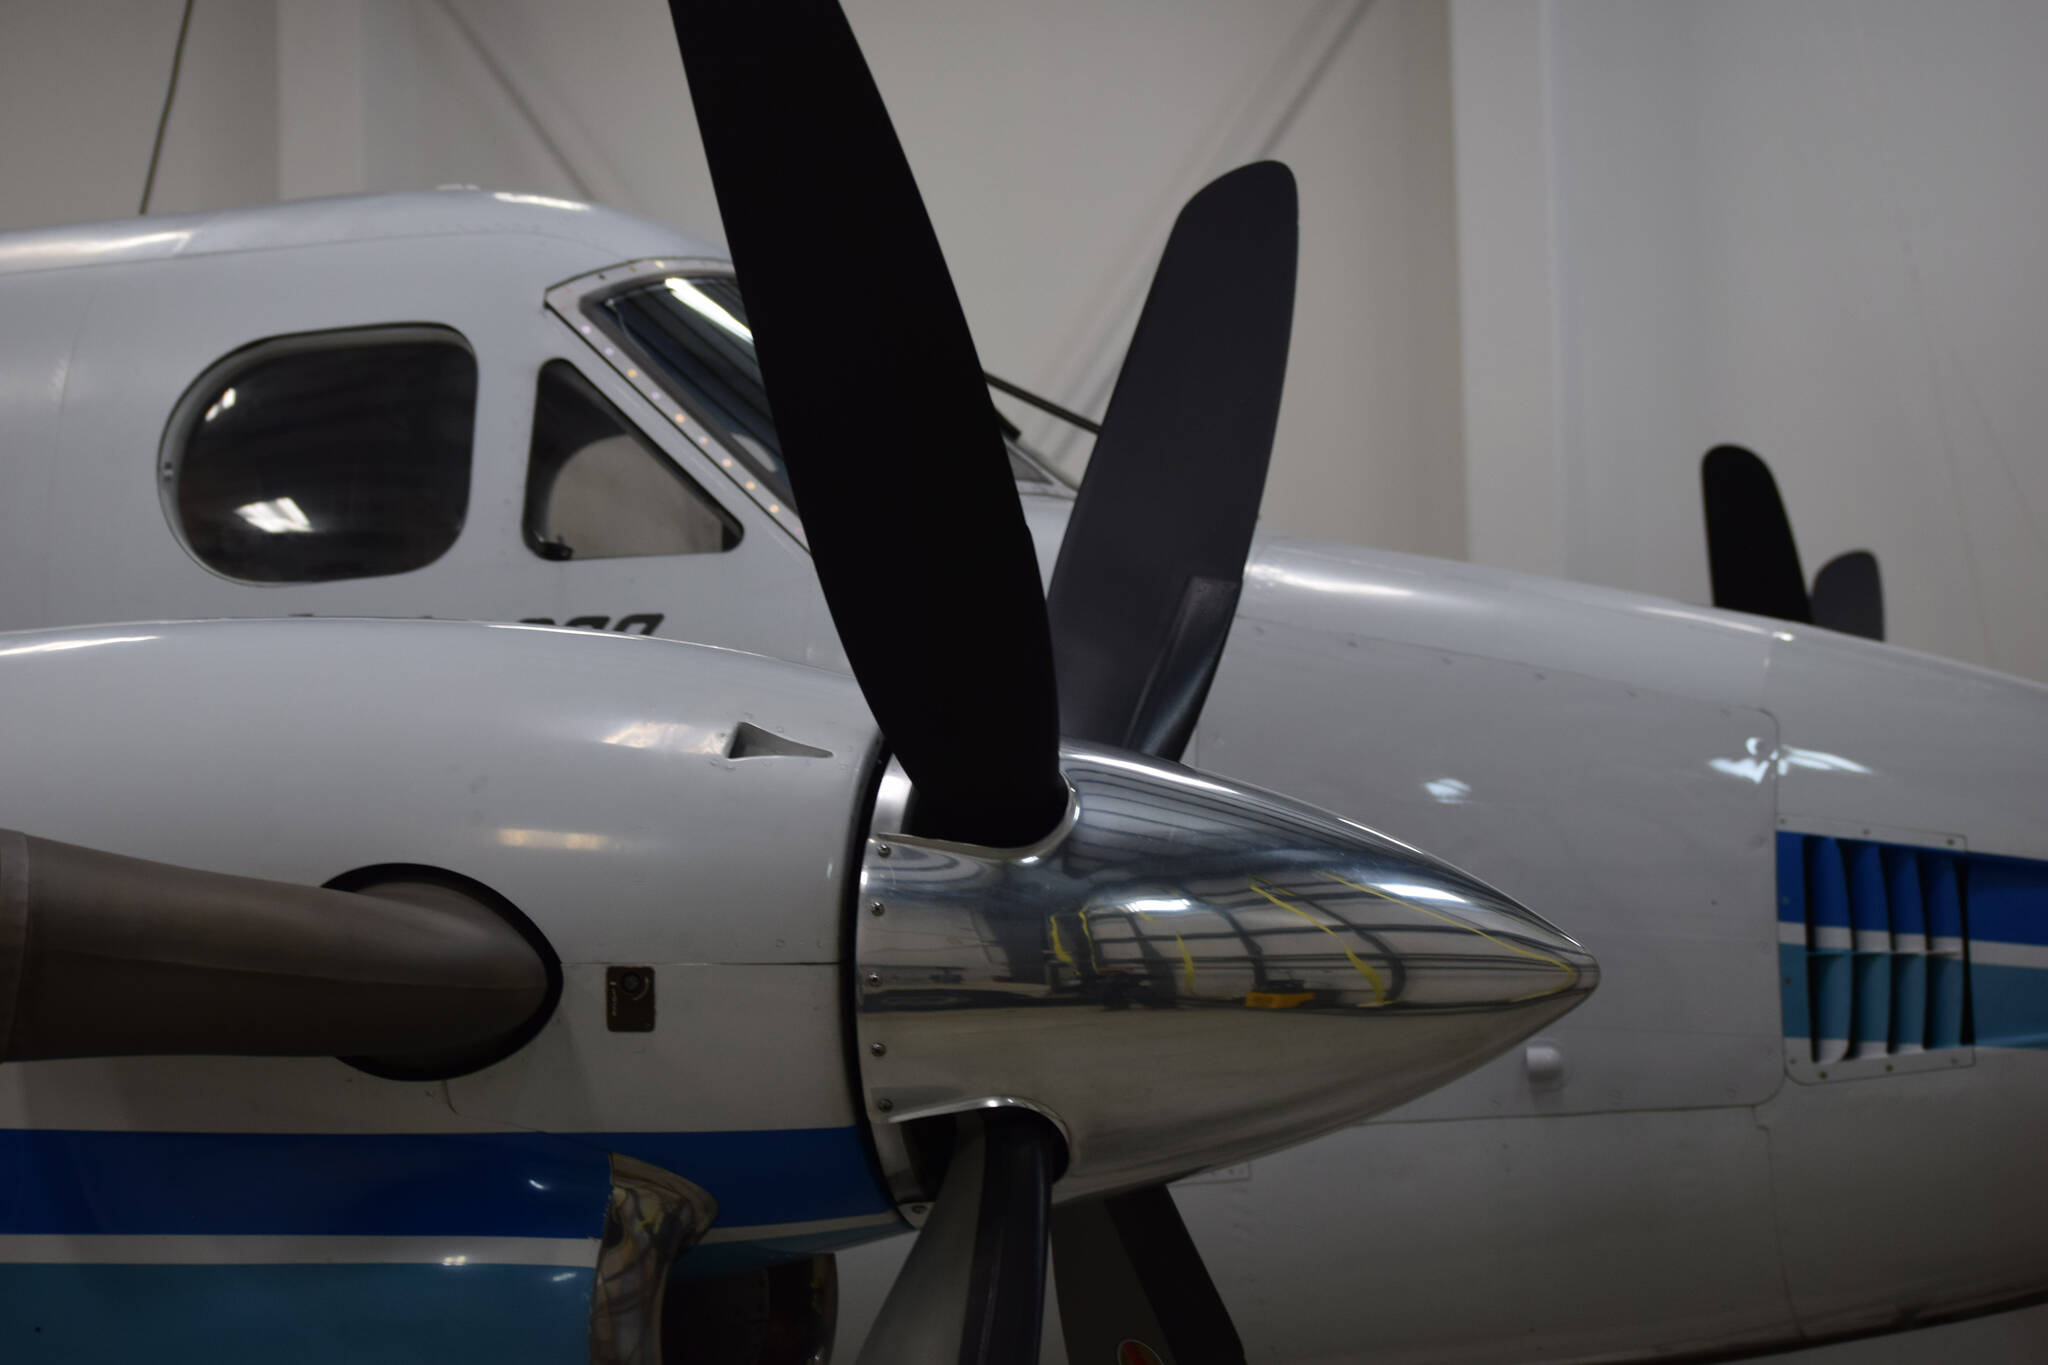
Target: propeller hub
<point>1185,973</point>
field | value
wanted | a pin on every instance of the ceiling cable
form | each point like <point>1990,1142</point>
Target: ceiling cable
<point>163,120</point>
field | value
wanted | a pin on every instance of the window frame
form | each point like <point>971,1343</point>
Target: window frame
<point>185,413</point>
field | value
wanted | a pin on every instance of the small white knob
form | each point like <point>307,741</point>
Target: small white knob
<point>1545,1062</point>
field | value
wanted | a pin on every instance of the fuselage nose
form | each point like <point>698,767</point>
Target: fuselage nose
<point>1187,972</point>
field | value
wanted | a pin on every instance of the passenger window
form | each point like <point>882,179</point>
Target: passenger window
<point>329,455</point>
<point>598,489</point>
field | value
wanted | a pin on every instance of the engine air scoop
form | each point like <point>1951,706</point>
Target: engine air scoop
<point>1187,972</point>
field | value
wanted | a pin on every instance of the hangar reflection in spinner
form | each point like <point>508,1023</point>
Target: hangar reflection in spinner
<point>583,910</point>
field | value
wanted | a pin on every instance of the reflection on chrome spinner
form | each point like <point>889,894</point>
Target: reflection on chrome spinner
<point>1186,973</point>
<point>653,1217</point>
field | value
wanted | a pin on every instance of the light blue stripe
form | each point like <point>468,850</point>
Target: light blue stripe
<point>2009,1005</point>
<point>302,1314</point>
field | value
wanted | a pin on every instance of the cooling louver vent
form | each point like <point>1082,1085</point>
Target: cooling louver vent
<point>1873,947</point>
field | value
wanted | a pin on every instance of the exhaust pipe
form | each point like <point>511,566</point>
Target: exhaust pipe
<point>108,956</point>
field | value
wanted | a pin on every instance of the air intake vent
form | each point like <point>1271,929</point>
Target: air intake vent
<point>1873,948</point>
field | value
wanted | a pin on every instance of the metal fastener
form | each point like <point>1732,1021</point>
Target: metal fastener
<point>874,978</point>
<point>883,850</point>
<point>879,1049</point>
<point>885,1105</point>
<point>874,907</point>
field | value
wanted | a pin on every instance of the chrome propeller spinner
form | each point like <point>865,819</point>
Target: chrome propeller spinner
<point>1186,973</point>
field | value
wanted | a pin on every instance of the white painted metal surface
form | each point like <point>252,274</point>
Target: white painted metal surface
<point>320,748</point>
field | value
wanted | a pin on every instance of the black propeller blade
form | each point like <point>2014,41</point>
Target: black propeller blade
<point>973,1288</point>
<point>1127,1270</point>
<point>1848,595</point>
<point>1148,576</point>
<point>1142,600</point>
<point>853,312</point>
<point>1751,556</point>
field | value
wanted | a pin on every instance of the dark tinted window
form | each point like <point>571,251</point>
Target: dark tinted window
<point>597,489</point>
<point>336,455</point>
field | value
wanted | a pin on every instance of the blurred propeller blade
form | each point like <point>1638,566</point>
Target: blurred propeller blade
<point>1142,600</point>
<point>1751,556</point>
<point>929,572</point>
<point>1148,576</point>
<point>973,1288</point>
<point>1848,595</point>
<point>1128,1271</point>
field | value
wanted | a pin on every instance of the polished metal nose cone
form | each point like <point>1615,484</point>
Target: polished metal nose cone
<point>1186,973</point>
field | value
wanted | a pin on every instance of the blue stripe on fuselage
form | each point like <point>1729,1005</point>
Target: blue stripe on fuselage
<point>305,1314</point>
<point>2006,902</point>
<point>408,1184</point>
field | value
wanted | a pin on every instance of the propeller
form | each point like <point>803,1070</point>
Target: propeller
<point>1751,556</point>
<point>1848,595</point>
<point>1148,576</point>
<point>1753,560</point>
<point>852,307</point>
<point>1141,602</point>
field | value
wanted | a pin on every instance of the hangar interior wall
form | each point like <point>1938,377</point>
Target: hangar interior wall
<point>1550,252</point>
<point>1811,229</point>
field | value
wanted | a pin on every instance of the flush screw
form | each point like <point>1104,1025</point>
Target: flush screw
<point>885,1105</point>
<point>879,1049</point>
<point>874,907</point>
<point>883,850</point>
<point>874,978</point>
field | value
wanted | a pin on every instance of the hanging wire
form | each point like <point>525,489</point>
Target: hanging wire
<point>163,120</point>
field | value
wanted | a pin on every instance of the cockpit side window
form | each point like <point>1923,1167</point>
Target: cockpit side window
<point>325,455</point>
<point>694,333</point>
<point>683,339</point>
<point>597,489</point>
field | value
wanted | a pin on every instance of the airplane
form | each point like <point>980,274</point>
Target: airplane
<point>1802,1104</point>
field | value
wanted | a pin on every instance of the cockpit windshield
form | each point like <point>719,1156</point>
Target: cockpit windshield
<point>691,331</point>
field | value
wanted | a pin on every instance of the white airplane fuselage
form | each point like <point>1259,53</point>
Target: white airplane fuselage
<point>1789,1112</point>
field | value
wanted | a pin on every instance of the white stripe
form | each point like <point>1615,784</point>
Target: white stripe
<point>1833,937</point>
<point>770,1232</point>
<point>121,1249</point>
<point>2009,954</point>
<point>1791,932</point>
